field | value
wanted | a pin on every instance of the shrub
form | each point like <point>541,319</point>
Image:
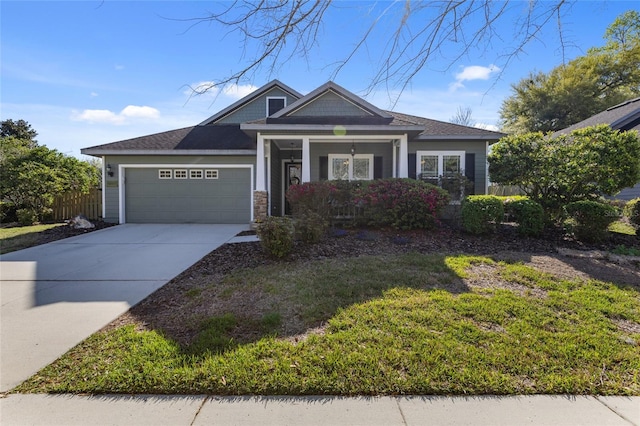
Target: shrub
<point>401,203</point>
<point>591,219</point>
<point>632,211</point>
<point>27,217</point>
<point>310,227</point>
<point>481,213</point>
<point>277,235</point>
<point>528,214</point>
<point>325,198</point>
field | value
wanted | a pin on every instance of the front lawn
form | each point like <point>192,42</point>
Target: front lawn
<point>21,237</point>
<point>385,324</point>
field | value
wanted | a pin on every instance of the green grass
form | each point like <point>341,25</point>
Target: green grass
<point>622,228</point>
<point>21,237</point>
<point>404,324</point>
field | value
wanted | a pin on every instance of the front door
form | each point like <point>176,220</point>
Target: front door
<point>292,176</point>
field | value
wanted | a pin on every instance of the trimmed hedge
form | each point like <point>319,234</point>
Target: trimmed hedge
<point>591,219</point>
<point>632,211</point>
<point>481,214</point>
<point>528,214</point>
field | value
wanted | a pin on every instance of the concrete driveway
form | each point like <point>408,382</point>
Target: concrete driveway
<point>55,295</point>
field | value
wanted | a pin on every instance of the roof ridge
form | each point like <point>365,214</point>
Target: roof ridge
<point>630,101</point>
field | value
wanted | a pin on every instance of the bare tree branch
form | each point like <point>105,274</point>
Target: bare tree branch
<point>275,31</point>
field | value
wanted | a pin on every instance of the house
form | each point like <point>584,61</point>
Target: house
<point>236,166</point>
<point>623,117</point>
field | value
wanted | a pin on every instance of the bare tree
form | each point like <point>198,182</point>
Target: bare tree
<point>463,117</point>
<point>275,31</point>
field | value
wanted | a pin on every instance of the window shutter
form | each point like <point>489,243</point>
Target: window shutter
<point>470,170</point>
<point>377,168</point>
<point>470,166</point>
<point>324,168</point>
<point>412,166</point>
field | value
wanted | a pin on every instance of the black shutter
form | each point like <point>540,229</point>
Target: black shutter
<point>324,168</point>
<point>412,166</point>
<point>470,167</point>
<point>377,168</point>
<point>470,171</point>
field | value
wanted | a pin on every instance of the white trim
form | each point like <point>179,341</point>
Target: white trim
<point>306,160</point>
<point>403,167</point>
<point>174,152</point>
<point>260,164</point>
<point>214,174</point>
<point>197,171</point>
<point>284,98</point>
<point>160,171</point>
<point>104,188</point>
<point>486,169</point>
<point>121,181</point>
<point>284,181</point>
<point>178,174</point>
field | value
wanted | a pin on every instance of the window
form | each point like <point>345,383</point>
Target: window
<point>180,174</point>
<point>195,174</point>
<point>443,168</point>
<point>275,104</point>
<point>164,174</point>
<point>347,167</point>
<point>211,174</point>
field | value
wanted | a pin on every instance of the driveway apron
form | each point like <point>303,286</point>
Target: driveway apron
<point>55,295</point>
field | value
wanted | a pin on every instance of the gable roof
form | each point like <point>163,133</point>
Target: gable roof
<point>222,139</point>
<point>367,113</point>
<point>624,116</point>
<point>250,97</point>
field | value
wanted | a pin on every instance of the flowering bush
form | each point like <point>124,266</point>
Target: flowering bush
<point>326,198</point>
<point>401,203</point>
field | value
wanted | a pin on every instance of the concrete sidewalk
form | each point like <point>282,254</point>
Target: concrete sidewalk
<point>304,411</point>
<point>55,295</point>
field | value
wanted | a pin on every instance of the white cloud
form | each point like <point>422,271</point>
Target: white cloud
<point>485,126</point>
<point>239,91</point>
<point>126,116</point>
<point>473,72</point>
<point>119,67</point>
<point>93,94</point>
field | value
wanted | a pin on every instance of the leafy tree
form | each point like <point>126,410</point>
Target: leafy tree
<point>20,130</point>
<point>31,175</point>
<point>570,93</point>
<point>273,32</point>
<point>555,171</point>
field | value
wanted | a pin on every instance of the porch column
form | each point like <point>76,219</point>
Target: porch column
<point>260,171</point>
<point>306,160</point>
<point>394,159</point>
<point>403,169</point>
<point>260,195</point>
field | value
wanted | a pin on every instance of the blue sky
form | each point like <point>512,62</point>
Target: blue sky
<point>83,73</point>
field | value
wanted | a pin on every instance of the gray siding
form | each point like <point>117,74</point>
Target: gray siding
<point>330,105</point>
<point>318,150</point>
<point>111,190</point>
<point>471,147</point>
<point>255,109</point>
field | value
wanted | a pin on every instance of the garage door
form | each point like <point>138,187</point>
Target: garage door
<point>188,195</point>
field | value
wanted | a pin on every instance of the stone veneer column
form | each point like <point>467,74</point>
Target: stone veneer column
<point>260,205</point>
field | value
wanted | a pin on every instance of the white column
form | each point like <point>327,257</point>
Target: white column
<point>394,161</point>
<point>260,172</point>
<point>306,160</point>
<point>403,169</point>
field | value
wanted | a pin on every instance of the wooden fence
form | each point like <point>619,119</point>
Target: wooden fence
<point>505,190</point>
<point>72,204</point>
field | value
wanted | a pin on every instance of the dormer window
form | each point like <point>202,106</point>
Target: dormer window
<point>275,104</point>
